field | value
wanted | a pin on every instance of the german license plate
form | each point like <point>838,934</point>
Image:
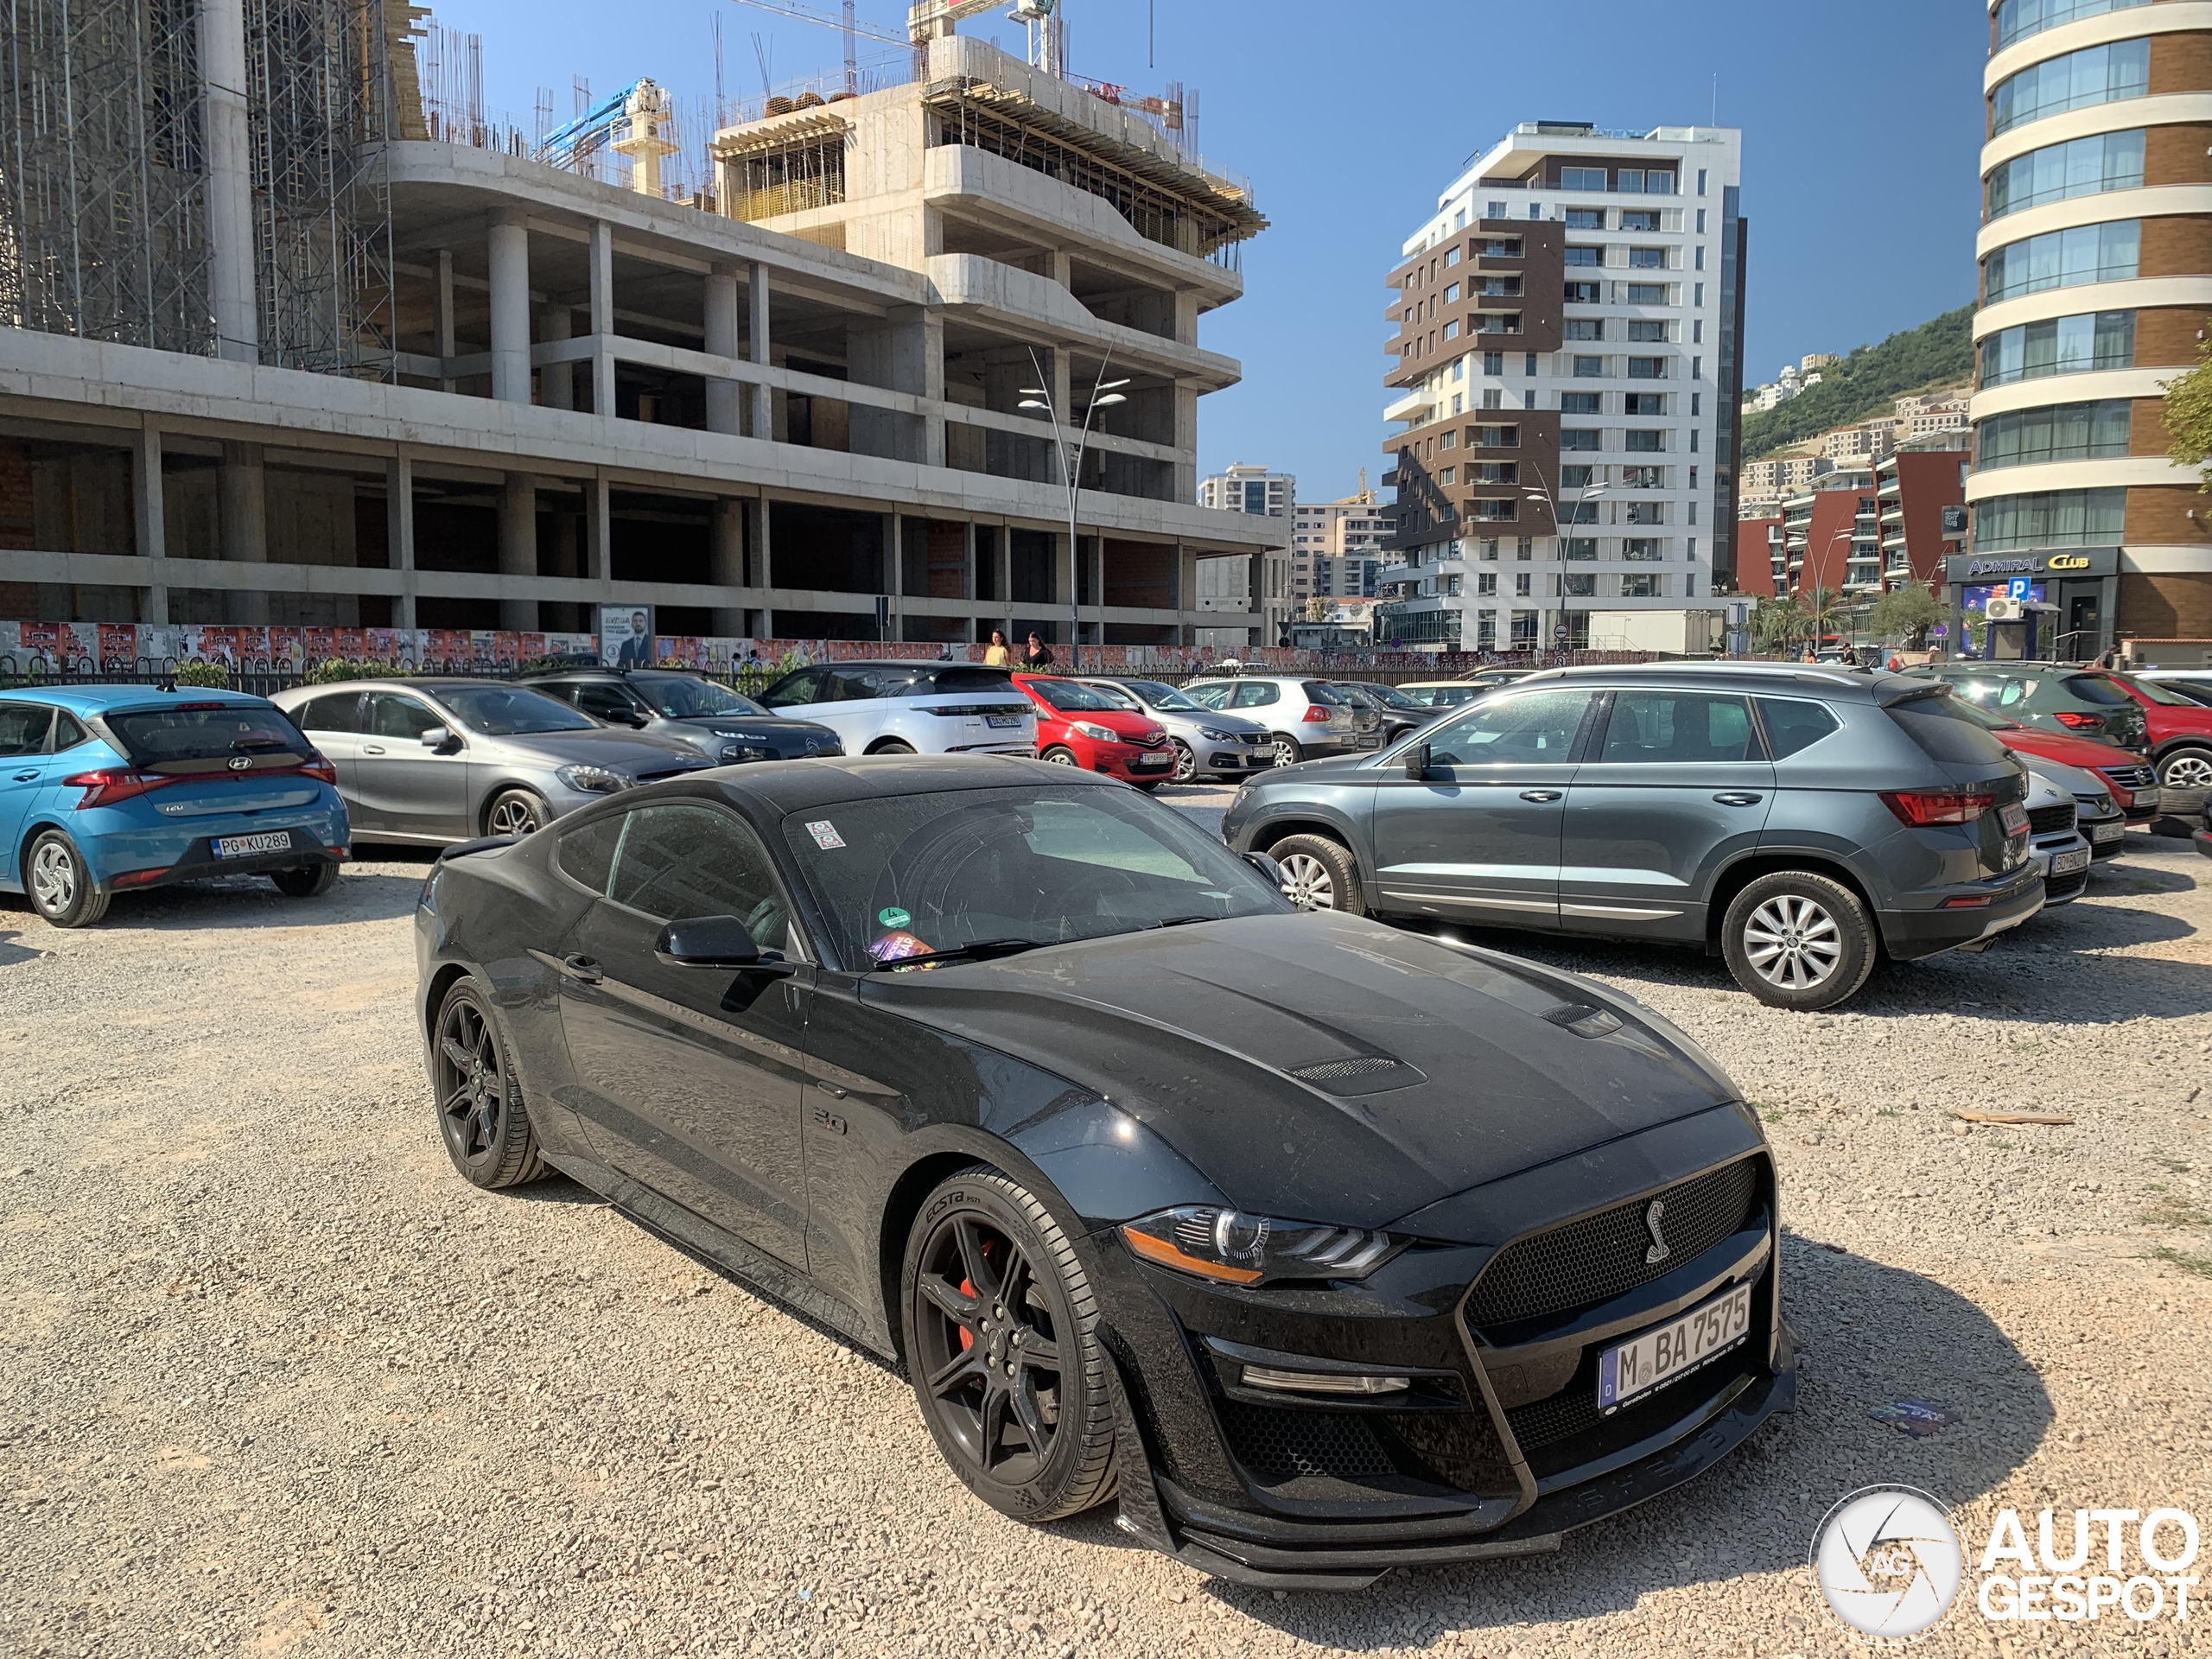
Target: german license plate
<point>2067,863</point>
<point>2014,817</point>
<point>1002,723</point>
<point>2101,833</point>
<point>278,841</point>
<point>1651,1360</point>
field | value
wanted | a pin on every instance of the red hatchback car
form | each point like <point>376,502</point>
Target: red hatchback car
<point>2126,774</point>
<point>1078,726</point>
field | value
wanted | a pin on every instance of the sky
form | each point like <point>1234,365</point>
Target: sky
<point>1861,129</point>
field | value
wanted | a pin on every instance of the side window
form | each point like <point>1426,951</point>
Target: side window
<point>682,860</point>
<point>1210,697</point>
<point>69,731</point>
<point>1255,694</point>
<point>1792,725</point>
<point>1685,728</point>
<point>804,686</point>
<point>602,702</point>
<point>24,727</point>
<point>340,711</point>
<point>394,716</point>
<point>586,853</point>
<point>1536,725</point>
<point>850,685</point>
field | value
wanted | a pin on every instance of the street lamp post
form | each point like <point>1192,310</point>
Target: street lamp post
<point>1105,394</point>
<point>1543,492</point>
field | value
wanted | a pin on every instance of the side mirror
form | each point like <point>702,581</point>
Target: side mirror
<point>633,720</point>
<point>438,738</point>
<point>1417,762</point>
<point>1266,867</point>
<point>707,941</point>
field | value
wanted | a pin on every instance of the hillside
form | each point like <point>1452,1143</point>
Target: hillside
<point>1937,355</point>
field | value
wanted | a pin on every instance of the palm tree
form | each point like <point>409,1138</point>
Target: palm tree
<point>1820,610</point>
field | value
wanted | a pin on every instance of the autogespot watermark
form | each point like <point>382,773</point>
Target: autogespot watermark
<point>1891,1563</point>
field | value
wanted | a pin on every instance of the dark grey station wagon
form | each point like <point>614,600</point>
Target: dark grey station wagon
<point>1799,821</point>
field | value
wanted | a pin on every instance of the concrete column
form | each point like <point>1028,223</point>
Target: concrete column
<point>1002,553</point>
<point>230,184</point>
<point>518,547</point>
<point>725,554</point>
<point>442,312</point>
<point>1186,441</point>
<point>153,538</point>
<point>968,570</point>
<point>556,382</point>
<point>602,317</point>
<point>725,398</point>
<point>507,245</point>
<point>599,534</point>
<point>399,533</point>
<point>764,403</point>
<point>240,489</point>
<point>763,552</point>
<point>1186,316</point>
<point>1061,268</point>
<point>893,564</point>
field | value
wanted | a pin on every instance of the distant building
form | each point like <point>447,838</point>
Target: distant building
<point>1921,491</point>
<point>1782,475</point>
<point>1832,536</point>
<point>1337,547</point>
<point>1758,539</point>
<point>1254,490</point>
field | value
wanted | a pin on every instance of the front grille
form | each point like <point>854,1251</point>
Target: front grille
<point>2130,778</point>
<point>660,777</point>
<point>1570,1412</point>
<point>1152,742</point>
<point>2047,820</point>
<point>1287,1445</point>
<point>2065,887</point>
<point>1604,1255</point>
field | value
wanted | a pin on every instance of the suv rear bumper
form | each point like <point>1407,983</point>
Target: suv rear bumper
<point>1909,935</point>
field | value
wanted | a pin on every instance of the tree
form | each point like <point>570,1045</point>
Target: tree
<point>2188,416</point>
<point>1818,613</point>
<point>1317,609</point>
<point>1772,621</point>
<point>1907,614</point>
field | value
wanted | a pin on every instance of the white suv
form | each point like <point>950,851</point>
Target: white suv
<point>910,708</point>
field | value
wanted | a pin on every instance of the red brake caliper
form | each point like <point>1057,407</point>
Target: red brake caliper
<point>967,1336</point>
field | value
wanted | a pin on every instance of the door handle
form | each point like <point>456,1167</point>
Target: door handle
<point>1541,794</point>
<point>25,777</point>
<point>371,748</point>
<point>585,968</point>
<point>834,1091</point>
<point>1739,798</point>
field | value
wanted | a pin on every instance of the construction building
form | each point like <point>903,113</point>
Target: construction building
<point>1567,386</point>
<point>291,342</point>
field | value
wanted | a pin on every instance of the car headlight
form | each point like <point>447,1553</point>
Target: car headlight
<point>742,737</point>
<point>1096,733</point>
<point>734,755</point>
<point>1213,736</point>
<point>592,780</point>
<point>1231,1248</point>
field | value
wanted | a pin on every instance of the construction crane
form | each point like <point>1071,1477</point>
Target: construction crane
<point>637,114</point>
<point>854,32</point>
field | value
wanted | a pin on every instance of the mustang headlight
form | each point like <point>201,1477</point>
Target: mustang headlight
<point>1232,1248</point>
<point>1096,734</point>
<point>592,780</point>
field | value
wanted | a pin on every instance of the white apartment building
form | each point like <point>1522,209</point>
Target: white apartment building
<point>1567,383</point>
<point>1252,490</point>
<point>1337,547</point>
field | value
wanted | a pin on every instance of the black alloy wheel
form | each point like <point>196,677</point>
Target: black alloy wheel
<point>1011,1382</point>
<point>481,1115</point>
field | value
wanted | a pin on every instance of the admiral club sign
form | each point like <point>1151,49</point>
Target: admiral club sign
<point>1961,569</point>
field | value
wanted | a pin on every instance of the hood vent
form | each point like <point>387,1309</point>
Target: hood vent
<point>1363,1074</point>
<point>1583,1021</point>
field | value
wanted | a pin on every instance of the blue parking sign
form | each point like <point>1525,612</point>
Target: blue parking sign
<point>2018,587</point>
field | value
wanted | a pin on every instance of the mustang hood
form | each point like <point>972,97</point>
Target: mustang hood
<point>1320,1067</point>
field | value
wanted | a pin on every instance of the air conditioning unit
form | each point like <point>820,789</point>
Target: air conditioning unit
<point>2002,607</point>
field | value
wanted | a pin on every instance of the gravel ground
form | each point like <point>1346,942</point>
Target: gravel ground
<point>276,1382</point>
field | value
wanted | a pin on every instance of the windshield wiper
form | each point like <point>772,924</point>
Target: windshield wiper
<point>1182,921</point>
<point>980,951</point>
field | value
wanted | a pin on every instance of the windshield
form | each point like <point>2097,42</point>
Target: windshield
<point>681,697</point>
<point>509,711</point>
<point>1073,698</point>
<point>937,871</point>
<point>206,731</point>
<point>1390,697</point>
<point>1165,697</point>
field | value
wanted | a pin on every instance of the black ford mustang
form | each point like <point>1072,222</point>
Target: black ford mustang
<point>1322,1247</point>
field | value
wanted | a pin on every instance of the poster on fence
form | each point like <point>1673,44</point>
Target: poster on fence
<point>625,636</point>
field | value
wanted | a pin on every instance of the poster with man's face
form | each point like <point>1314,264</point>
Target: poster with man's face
<point>625,636</point>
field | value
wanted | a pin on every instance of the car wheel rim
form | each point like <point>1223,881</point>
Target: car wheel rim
<point>514,817</point>
<point>989,1349</point>
<point>1285,752</point>
<point>2189,771</point>
<point>1061,758</point>
<point>1187,764</point>
<point>1793,942</point>
<point>471,1092</point>
<point>1308,883</point>
<point>54,878</point>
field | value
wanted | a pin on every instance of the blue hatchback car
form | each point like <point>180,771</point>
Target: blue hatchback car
<point>104,789</point>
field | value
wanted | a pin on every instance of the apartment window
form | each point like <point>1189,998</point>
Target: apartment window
<point>1496,512</point>
<point>1445,440</point>
<point>1582,548</point>
<point>1493,399</point>
<point>2069,258</point>
<point>1647,368</point>
<point>1585,218</point>
<point>1697,331</point>
<point>1643,550</point>
<point>1447,475</point>
<point>1639,219</point>
<point>1700,180</point>
<point>1647,329</point>
<point>1535,210</point>
<point>2049,518</point>
<point>1579,438</point>
<point>1499,247</point>
<point>1579,584</point>
<point>1581,178</point>
<point>1701,296</point>
<point>1646,512</point>
<point>1458,224</point>
<point>1643,440</point>
<point>1494,363</point>
<point>1644,402</point>
<point>1697,398</point>
<point>1524,548</point>
<point>1499,287</point>
<point>1523,584</point>
<point>1452,294</point>
<point>1585,327</point>
<point>1648,293</point>
<point>1529,366</point>
<point>1578,513</point>
<point>1646,478</point>
<point>2087,167</point>
<point>1459,368</point>
<point>2063,432</point>
<point>1451,254</point>
<point>1644,585</point>
<point>1495,472</point>
<point>1695,435</point>
<point>1458,402</point>
<point>1579,403</point>
<point>1493,210</point>
<point>1451,329</point>
<point>1582,293</point>
<point>1486,584</point>
<point>1498,323</point>
<point>2096,75</point>
<point>1701,214</point>
<point>1589,368</point>
<point>1576,478</point>
<point>2075,345</point>
<point>1698,261</point>
<point>1647,258</point>
<point>1498,437</point>
<point>1487,550</point>
<point>1584,257</point>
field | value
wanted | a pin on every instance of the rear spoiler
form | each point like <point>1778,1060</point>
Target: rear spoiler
<point>1891,690</point>
<point>481,844</point>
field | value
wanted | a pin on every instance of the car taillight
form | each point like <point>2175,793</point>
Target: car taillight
<point>2080,722</point>
<point>1316,715</point>
<point>316,767</point>
<point>105,788</point>
<point>1920,807</point>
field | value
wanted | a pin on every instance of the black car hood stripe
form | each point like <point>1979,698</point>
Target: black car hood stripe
<point>1194,1031</point>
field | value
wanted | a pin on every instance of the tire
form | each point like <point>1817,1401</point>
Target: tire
<point>1287,753</point>
<point>1796,940</point>
<point>59,883</point>
<point>514,813</point>
<point>310,883</point>
<point>1044,1337</point>
<point>1060,757</point>
<point>481,1117</point>
<point>893,745</point>
<point>1187,764</point>
<point>1319,873</point>
<point>2187,767</point>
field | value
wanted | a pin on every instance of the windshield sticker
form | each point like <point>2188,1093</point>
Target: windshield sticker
<point>894,916</point>
<point>825,834</point>
<point>897,947</point>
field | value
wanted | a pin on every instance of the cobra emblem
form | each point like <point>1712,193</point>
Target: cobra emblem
<point>1659,1251</point>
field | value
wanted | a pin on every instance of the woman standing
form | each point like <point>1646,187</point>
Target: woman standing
<point>999,654</point>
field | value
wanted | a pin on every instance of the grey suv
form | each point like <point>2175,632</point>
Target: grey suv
<point>686,707</point>
<point>1797,821</point>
